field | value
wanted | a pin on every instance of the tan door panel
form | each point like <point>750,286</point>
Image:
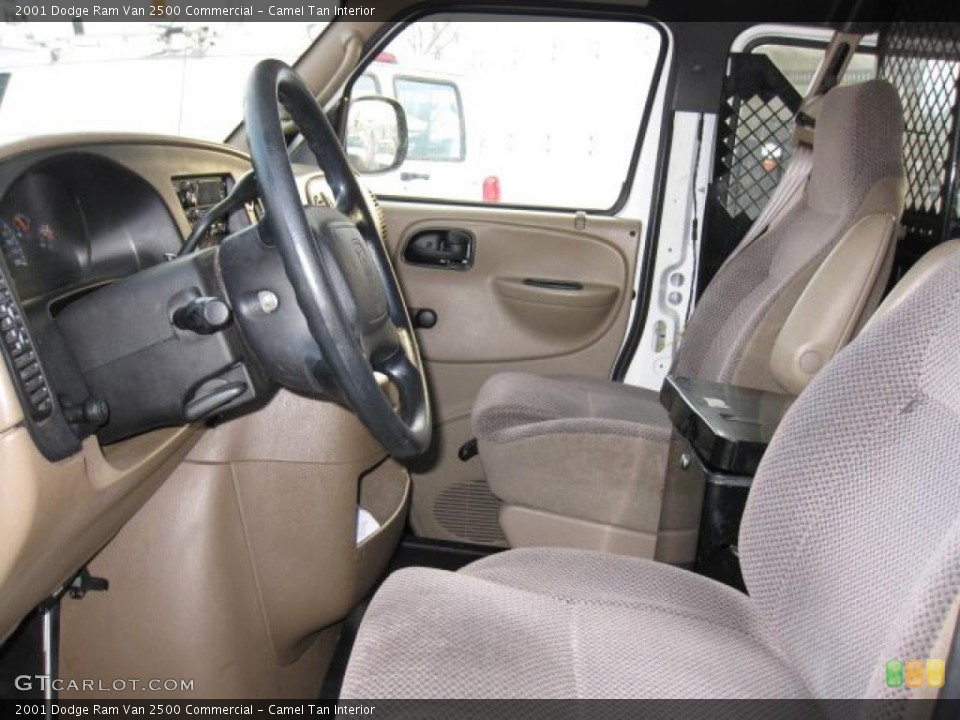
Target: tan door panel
<point>487,314</point>
<point>573,317</point>
<point>489,320</point>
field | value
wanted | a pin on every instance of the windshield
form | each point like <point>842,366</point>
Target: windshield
<point>183,79</point>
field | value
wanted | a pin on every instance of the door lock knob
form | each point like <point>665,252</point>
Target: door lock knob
<point>425,318</point>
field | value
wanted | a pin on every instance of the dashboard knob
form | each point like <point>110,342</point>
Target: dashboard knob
<point>92,411</point>
<point>203,315</point>
<point>425,318</point>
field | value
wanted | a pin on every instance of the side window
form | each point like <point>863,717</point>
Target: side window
<point>800,63</point>
<point>533,113</point>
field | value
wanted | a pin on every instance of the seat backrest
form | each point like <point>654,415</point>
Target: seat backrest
<point>850,542</point>
<point>915,277</point>
<point>783,305</point>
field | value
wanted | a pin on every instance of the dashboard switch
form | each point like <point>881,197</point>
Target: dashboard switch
<point>92,411</point>
<point>33,384</point>
<point>30,371</point>
<point>34,390</point>
<point>203,315</point>
<point>23,359</point>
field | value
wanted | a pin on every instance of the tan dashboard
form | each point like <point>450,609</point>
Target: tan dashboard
<point>231,550</point>
<point>56,515</point>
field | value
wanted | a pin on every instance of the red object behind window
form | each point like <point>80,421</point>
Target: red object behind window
<point>491,189</point>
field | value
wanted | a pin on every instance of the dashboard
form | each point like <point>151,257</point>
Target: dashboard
<point>81,215</point>
<point>76,216</point>
<point>81,218</point>
<point>90,293</point>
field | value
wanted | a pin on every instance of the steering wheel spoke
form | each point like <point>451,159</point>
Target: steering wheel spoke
<point>403,371</point>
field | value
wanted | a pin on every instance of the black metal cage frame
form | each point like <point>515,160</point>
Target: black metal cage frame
<point>920,55</point>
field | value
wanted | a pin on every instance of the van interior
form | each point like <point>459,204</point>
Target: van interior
<point>483,350</point>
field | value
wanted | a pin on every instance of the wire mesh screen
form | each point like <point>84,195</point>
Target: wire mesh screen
<point>756,122</point>
<point>754,126</point>
<point>758,153</point>
<point>922,60</point>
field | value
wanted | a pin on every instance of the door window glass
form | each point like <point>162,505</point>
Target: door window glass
<point>524,113</point>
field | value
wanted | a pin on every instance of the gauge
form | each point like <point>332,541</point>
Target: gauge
<point>10,244</point>
<point>46,236</point>
<point>21,224</point>
<point>41,232</point>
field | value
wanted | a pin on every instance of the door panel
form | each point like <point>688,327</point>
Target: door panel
<point>541,296</point>
<point>511,305</point>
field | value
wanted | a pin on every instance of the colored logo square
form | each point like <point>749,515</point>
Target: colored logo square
<point>914,673</point>
<point>894,673</point>
<point>936,673</point>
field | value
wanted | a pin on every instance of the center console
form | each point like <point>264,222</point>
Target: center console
<point>722,432</point>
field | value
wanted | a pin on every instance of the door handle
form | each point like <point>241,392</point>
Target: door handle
<point>560,293</point>
<point>408,176</point>
<point>451,249</point>
<point>571,285</point>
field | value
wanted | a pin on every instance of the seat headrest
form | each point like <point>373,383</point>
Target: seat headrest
<point>859,141</point>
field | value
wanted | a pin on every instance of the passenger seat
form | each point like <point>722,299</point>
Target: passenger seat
<point>581,462</point>
<point>914,278</point>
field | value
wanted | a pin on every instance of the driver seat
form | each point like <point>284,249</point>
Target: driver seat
<point>850,549</point>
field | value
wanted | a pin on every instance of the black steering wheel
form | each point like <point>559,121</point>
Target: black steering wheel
<point>335,260</point>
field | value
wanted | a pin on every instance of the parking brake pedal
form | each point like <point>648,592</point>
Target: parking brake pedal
<point>467,450</point>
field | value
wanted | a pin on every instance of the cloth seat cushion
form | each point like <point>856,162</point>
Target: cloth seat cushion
<point>560,623</point>
<point>610,440</point>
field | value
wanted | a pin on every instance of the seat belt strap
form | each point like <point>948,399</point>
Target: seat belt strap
<point>785,196</point>
<point>791,185</point>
